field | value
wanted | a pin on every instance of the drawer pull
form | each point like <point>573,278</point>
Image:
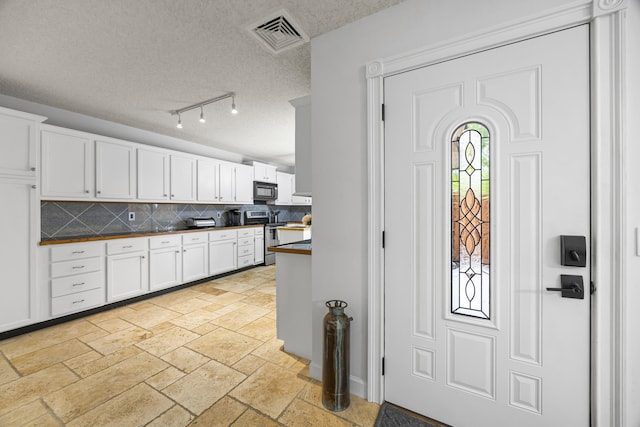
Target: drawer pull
<point>184,250</point>
<point>77,252</point>
<point>78,284</point>
<point>222,236</point>
<point>195,239</point>
<point>127,247</point>
<point>164,242</point>
<point>78,302</point>
<point>76,267</point>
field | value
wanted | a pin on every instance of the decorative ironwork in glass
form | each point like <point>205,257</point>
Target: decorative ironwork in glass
<point>470,243</point>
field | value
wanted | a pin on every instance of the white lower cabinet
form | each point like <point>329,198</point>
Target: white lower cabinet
<point>80,276</point>
<point>195,256</point>
<point>223,251</point>
<point>258,251</point>
<point>245,247</point>
<point>165,262</point>
<point>127,268</point>
<point>77,277</point>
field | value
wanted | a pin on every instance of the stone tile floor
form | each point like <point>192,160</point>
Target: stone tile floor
<point>201,356</point>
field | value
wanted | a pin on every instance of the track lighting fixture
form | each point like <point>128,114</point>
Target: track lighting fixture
<point>234,110</point>
<point>201,105</point>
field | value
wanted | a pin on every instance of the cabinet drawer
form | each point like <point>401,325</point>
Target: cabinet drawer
<point>122,246</point>
<point>215,236</point>
<point>78,283</point>
<point>81,266</point>
<point>243,241</point>
<point>76,302</point>
<point>245,250</point>
<point>245,261</point>
<point>258,231</point>
<point>76,251</point>
<point>245,232</point>
<point>164,241</point>
<point>190,238</point>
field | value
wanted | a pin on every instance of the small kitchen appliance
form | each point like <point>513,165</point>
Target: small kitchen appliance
<point>201,222</point>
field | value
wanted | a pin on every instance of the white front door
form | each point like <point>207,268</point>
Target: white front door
<point>486,166</point>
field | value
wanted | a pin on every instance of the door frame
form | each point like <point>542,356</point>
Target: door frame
<point>607,19</point>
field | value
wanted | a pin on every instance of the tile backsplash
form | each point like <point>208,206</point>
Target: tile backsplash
<point>75,219</point>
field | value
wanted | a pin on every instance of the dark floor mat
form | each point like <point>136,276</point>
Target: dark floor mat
<point>392,416</point>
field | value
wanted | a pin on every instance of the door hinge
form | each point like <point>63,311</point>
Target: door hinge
<point>383,366</point>
<point>383,112</point>
<point>383,239</point>
<point>593,288</point>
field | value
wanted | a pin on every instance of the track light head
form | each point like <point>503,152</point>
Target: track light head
<point>234,110</point>
<point>202,120</point>
<point>179,125</point>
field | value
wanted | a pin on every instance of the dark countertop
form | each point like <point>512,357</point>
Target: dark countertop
<point>303,247</point>
<point>76,239</point>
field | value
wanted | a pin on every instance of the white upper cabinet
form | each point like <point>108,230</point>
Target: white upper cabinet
<point>153,174</point>
<point>115,170</point>
<point>208,180</point>
<point>67,164</point>
<point>285,188</point>
<point>216,181</point>
<point>244,184</point>
<point>18,153</point>
<point>263,172</point>
<point>183,178</point>
<point>227,182</point>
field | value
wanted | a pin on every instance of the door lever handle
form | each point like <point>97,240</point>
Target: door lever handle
<point>575,256</point>
<point>572,286</point>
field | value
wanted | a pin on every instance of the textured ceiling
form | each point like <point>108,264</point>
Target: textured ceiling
<point>132,61</point>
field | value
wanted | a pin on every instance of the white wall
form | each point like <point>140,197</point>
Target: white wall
<point>339,140</point>
<point>632,261</point>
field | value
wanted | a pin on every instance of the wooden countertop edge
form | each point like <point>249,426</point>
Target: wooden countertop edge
<point>149,234</point>
<point>290,251</point>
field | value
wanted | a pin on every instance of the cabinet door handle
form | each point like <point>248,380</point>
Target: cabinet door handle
<point>184,250</point>
<point>78,302</point>
<point>78,284</point>
<point>98,191</point>
<point>179,252</point>
<point>164,195</point>
<point>142,257</point>
<point>33,169</point>
<point>76,267</point>
<point>173,195</point>
<point>86,191</point>
<point>33,186</point>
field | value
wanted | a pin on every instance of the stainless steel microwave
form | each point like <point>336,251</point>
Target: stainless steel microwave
<point>265,191</point>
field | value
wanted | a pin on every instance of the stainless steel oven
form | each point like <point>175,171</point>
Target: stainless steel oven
<point>270,231</point>
<point>270,239</point>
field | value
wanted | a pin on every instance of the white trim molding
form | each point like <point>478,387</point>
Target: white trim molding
<point>607,19</point>
<point>608,216</point>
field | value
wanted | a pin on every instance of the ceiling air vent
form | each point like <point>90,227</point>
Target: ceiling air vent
<point>279,32</point>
